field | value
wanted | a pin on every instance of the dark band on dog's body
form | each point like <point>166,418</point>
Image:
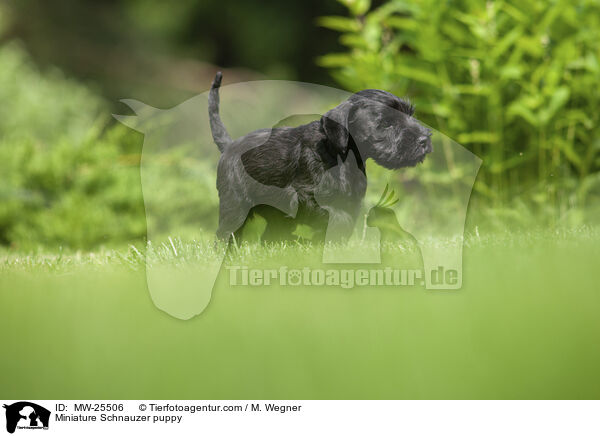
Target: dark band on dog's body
<point>295,161</point>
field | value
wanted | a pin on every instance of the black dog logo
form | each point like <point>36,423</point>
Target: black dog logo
<point>24,414</point>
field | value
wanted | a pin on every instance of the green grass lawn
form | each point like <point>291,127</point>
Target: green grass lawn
<point>525,324</point>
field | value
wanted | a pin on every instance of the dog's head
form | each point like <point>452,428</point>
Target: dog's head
<point>382,127</point>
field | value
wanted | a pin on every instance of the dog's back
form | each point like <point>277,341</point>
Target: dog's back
<point>285,166</point>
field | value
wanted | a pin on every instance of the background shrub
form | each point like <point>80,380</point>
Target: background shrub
<point>66,178</point>
<point>514,81</point>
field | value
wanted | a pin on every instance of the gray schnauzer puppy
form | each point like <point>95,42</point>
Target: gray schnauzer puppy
<point>276,172</point>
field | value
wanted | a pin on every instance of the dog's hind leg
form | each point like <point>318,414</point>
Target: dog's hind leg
<point>340,226</point>
<point>231,219</point>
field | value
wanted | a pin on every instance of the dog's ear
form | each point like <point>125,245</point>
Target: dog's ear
<point>335,126</point>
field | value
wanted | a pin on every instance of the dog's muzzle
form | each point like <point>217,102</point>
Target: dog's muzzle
<point>425,144</point>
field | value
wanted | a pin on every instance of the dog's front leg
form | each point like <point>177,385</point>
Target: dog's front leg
<point>340,226</point>
<point>231,217</point>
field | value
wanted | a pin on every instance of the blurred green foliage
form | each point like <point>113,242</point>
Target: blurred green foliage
<point>160,51</point>
<point>70,175</point>
<point>66,178</point>
<point>514,82</point>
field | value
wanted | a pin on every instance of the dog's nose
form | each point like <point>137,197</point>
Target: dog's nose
<point>425,143</point>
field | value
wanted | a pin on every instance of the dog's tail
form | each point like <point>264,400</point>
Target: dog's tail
<point>219,132</point>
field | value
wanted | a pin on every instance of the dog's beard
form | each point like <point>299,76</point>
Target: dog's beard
<point>416,159</point>
<point>394,147</point>
<point>398,156</point>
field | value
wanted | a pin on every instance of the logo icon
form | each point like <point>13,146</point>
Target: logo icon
<point>26,415</point>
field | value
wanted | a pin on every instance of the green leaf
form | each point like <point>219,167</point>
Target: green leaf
<point>506,42</point>
<point>357,7</point>
<point>588,183</point>
<point>334,60</point>
<point>418,75</point>
<point>518,109</point>
<point>480,137</point>
<point>578,116</point>
<point>511,72</point>
<point>341,24</point>
<point>402,23</point>
<point>513,12</point>
<point>591,63</point>
<point>472,89</point>
<point>440,109</point>
<point>558,100</point>
<point>570,153</point>
<point>353,40</point>
<point>372,36</point>
<point>391,7</point>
